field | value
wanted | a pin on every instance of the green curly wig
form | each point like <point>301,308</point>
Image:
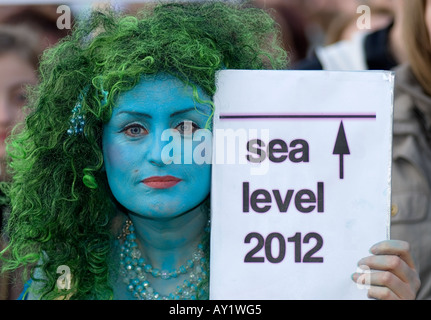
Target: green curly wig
<point>61,206</point>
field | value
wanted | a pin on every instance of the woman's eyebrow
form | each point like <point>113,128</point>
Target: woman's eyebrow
<point>21,84</point>
<point>135,113</point>
<point>198,109</point>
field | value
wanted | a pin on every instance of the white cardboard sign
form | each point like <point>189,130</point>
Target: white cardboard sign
<point>301,185</point>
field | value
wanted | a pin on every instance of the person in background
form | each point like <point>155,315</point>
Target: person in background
<point>345,26</point>
<point>411,172</point>
<point>40,18</point>
<point>292,27</point>
<point>318,16</point>
<point>26,31</point>
<point>18,70</point>
<point>376,50</point>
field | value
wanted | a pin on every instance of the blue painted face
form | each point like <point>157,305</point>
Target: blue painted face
<point>148,148</point>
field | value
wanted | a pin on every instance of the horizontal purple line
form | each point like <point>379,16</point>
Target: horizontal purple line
<point>300,116</point>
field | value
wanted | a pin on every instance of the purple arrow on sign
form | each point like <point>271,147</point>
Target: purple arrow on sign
<point>341,148</point>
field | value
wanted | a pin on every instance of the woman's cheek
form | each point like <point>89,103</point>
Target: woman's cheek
<point>120,164</point>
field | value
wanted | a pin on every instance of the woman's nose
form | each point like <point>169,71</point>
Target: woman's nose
<point>165,148</point>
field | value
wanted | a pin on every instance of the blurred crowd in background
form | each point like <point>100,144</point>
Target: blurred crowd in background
<point>28,28</point>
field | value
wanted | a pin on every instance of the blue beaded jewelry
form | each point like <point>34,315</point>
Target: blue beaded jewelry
<point>77,120</point>
<point>134,270</point>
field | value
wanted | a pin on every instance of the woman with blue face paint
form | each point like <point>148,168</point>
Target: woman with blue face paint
<point>164,199</point>
<point>132,143</point>
<point>110,191</point>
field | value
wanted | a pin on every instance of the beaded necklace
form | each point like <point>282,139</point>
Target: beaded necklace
<point>135,271</point>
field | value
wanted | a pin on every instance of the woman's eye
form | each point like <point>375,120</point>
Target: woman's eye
<point>135,130</point>
<point>187,127</point>
<point>19,99</point>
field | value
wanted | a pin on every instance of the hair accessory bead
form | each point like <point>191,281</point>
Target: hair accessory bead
<point>105,98</point>
<point>77,120</point>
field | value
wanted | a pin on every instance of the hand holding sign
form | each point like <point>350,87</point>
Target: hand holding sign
<point>398,279</point>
